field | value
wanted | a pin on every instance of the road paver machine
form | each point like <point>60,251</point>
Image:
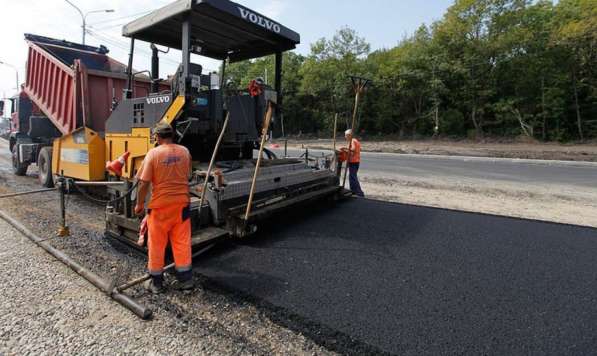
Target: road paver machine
<point>210,116</point>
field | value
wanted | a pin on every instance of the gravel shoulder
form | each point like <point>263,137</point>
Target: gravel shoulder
<point>45,308</point>
<point>562,204</point>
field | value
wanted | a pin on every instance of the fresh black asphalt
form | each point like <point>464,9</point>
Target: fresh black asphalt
<point>411,280</point>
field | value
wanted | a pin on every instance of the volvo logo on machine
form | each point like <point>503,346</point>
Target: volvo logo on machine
<point>259,20</point>
<point>158,100</point>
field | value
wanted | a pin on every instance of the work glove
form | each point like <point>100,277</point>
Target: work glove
<point>142,232</point>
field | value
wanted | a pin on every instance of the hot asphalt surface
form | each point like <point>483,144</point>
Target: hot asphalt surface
<point>411,280</point>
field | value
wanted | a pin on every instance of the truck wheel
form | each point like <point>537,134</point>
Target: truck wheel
<point>44,165</point>
<point>19,169</point>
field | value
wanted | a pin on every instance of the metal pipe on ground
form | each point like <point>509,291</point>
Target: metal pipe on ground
<point>99,184</point>
<point>11,195</point>
<point>124,300</point>
<point>146,277</point>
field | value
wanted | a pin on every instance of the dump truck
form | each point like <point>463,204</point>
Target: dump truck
<point>80,109</point>
<point>70,91</point>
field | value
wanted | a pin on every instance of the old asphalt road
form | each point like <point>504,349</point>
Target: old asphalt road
<point>572,174</point>
<point>370,276</point>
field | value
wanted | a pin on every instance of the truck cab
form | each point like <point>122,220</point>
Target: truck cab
<point>31,138</point>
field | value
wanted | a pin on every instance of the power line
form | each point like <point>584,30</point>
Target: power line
<point>120,43</point>
<point>123,45</point>
<point>120,18</point>
<point>102,28</point>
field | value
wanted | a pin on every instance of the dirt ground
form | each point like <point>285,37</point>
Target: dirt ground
<point>533,150</point>
<point>566,205</point>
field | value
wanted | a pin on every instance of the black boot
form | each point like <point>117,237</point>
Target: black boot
<point>156,284</point>
<point>184,281</point>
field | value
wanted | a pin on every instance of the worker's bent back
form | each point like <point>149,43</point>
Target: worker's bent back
<point>167,167</point>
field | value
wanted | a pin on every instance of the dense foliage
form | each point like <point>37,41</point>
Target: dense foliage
<point>500,68</point>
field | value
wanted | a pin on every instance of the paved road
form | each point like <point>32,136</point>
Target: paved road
<point>506,170</point>
<point>412,280</point>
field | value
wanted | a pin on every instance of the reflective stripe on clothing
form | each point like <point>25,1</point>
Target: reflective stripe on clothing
<point>167,168</point>
<point>168,225</point>
<point>355,151</point>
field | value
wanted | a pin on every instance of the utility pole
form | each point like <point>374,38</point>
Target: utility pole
<point>84,16</point>
<point>16,71</point>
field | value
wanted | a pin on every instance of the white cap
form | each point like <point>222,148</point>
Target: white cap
<point>347,132</point>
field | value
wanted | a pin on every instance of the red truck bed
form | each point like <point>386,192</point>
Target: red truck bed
<point>74,85</point>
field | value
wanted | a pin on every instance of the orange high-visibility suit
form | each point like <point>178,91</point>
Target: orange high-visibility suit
<point>355,151</point>
<point>354,162</point>
<point>168,168</point>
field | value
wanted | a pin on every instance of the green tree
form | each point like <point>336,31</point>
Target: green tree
<point>487,68</point>
<point>575,31</point>
<point>326,74</point>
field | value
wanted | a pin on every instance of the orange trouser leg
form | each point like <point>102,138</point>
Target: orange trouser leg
<point>166,224</point>
<point>157,229</point>
<point>180,241</point>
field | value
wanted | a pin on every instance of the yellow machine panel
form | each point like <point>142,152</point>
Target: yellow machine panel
<point>80,155</point>
<point>137,143</point>
<point>174,110</point>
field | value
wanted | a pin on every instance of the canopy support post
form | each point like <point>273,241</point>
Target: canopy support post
<point>128,92</point>
<point>186,57</point>
<point>278,73</point>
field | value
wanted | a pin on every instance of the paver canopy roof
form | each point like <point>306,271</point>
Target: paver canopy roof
<point>219,29</point>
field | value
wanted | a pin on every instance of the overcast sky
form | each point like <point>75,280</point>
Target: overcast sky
<point>382,22</point>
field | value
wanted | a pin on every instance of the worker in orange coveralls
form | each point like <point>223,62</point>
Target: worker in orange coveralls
<point>354,161</point>
<point>167,168</point>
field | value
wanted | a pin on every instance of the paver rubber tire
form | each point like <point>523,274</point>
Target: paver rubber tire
<point>19,169</point>
<point>44,165</point>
